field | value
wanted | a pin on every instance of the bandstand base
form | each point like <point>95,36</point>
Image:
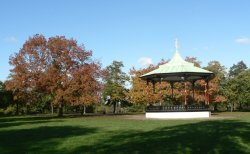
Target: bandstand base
<point>178,115</point>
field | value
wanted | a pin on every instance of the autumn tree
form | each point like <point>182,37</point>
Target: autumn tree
<point>47,67</point>
<point>66,56</point>
<point>216,85</point>
<point>143,92</point>
<point>85,86</point>
<point>198,84</point>
<point>25,69</point>
<point>114,85</point>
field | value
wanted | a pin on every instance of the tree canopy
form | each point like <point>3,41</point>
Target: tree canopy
<point>49,66</point>
<point>114,84</point>
<point>56,72</point>
<point>236,69</point>
<point>237,86</point>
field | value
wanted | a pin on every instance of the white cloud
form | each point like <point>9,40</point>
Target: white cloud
<point>145,61</point>
<point>11,39</point>
<point>243,40</point>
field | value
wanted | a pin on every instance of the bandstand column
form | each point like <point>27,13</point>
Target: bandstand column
<point>172,90</point>
<point>185,92</point>
<point>207,92</point>
<point>153,82</point>
<point>193,88</point>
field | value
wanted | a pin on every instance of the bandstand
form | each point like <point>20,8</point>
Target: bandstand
<point>179,70</point>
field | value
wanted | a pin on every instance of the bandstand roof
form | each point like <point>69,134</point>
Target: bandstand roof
<point>177,69</point>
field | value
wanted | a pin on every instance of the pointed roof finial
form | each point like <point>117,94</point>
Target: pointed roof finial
<point>176,45</point>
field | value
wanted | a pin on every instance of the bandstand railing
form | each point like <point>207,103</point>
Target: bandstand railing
<point>177,108</point>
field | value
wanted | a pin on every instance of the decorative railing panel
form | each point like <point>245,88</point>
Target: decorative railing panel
<point>177,108</point>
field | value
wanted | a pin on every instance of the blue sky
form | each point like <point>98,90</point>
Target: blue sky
<point>136,32</point>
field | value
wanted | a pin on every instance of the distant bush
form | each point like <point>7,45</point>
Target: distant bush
<point>246,107</point>
<point>90,109</point>
<point>222,106</point>
<point>10,110</point>
<point>218,107</point>
<point>100,109</point>
<point>136,108</point>
<point>1,111</point>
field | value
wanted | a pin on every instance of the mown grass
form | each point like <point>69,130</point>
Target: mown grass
<point>224,133</point>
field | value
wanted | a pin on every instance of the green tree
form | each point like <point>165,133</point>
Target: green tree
<point>1,86</point>
<point>114,84</point>
<point>234,84</point>
<point>5,96</point>
<point>237,90</point>
<point>236,69</point>
<point>218,69</point>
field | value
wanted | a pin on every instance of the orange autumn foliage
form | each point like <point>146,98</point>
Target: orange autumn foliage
<point>52,66</point>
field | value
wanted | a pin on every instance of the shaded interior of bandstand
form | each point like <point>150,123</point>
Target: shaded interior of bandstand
<point>186,83</point>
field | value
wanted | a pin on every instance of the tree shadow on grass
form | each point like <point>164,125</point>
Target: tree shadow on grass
<point>11,124</point>
<point>25,120</point>
<point>203,137</point>
<point>39,140</point>
<point>10,121</point>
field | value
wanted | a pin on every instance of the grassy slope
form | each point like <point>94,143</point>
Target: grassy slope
<point>117,134</point>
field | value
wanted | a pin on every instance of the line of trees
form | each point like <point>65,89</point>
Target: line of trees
<point>57,72</point>
<point>227,91</point>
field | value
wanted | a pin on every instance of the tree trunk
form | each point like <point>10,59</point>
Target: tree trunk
<point>27,109</point>
<point>232,106</point>
<point>114,105</point>
<point>60,110</point>
<point>84,109</point>
<point>215,107</point>
<point>240,106</point>
<point>52,108</point>
<point>17,108</point>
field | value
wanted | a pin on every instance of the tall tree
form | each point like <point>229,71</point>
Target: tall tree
<point>236,69</point>
<point>237,89</point>
<point>46,66</point>
<point>85,87</point>
<point>216,84</point>
<point>114,84</point>
<point>243,87</point>
<point>27,67</point>
<point>66,56</point>
<point>232,86</point>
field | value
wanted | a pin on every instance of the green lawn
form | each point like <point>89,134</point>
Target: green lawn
<point>224,133</point>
